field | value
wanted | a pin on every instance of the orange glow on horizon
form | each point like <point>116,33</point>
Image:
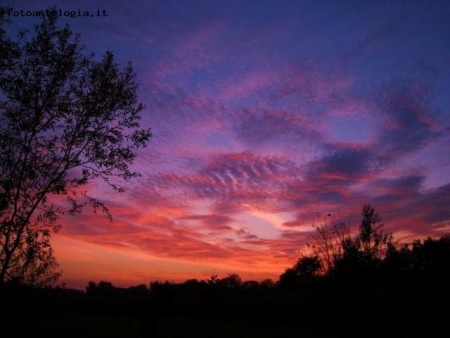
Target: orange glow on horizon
<point>127,267</point>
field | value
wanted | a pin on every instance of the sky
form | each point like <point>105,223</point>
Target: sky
<point>264,114</point>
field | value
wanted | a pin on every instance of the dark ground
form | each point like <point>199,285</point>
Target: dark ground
<point>273,313</point>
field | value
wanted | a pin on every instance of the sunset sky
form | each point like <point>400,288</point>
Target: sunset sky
<point>265,113</point>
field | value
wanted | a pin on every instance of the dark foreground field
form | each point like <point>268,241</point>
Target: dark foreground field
<point>375,312</point>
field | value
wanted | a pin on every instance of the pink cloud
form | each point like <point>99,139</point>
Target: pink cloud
<point>247,84</point>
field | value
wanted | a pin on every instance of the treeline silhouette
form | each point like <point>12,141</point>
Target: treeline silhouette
<point>349,284</point>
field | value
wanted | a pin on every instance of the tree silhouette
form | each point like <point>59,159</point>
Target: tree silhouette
<point>372,239</point>
<point>65,119</point>
<point>232,281</point>
<point>305,271</point>
<point>328,242</point>
<point>424,262</point>
<point>363,253</point>
<point>339,253</point>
